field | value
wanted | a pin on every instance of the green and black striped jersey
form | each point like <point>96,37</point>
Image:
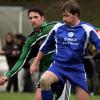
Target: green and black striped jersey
<point>31,47</point>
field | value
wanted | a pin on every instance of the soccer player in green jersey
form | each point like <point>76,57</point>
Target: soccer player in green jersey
<point>31,46</point>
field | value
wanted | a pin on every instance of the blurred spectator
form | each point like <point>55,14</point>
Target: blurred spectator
<point>9,51</point>
<point>90,68</point>
<point>25,75</point>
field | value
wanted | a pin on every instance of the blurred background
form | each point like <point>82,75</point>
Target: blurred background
<point>13,13</point>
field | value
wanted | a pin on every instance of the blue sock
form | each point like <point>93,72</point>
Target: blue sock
<point>47,94</point>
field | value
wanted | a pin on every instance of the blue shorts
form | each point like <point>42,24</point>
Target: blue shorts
<point>74,73</point>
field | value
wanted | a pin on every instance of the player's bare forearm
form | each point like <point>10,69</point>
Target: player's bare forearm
<point>39,56</point>
<point>35,65</point>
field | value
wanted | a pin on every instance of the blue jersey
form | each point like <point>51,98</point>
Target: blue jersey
<point>70,45</point>
<point>70,42</point>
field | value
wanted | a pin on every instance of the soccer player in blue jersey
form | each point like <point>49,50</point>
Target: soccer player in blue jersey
<point>71,38</point>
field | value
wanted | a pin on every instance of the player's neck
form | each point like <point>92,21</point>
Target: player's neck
<point>76,21</point>
<point>36,29</point>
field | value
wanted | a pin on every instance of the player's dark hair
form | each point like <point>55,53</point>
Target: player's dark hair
<point>38,10</point>
<point>71,6</point>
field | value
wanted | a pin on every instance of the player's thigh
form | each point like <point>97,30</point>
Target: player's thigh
<point>38,94</point>
<point>81,94</point>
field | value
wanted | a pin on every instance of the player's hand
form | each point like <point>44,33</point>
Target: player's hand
<point>34,67</point>
<point>3,80</point>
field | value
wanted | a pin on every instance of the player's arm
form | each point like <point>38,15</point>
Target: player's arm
<point>35,65</point>
<point>22,60</point>
<point>95,39</point>
<point>44,49</point>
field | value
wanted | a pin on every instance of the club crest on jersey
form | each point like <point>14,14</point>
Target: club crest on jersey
<point>70,34</point>
<point>71,39</point>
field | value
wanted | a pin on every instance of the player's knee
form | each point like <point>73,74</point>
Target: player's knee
<point>44,83</point>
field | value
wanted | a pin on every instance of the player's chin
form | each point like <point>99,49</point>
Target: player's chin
<point>34,25</point>
<point>1,83</point>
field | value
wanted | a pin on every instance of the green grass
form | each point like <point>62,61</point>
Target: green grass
<point>16,96</point>
<point>30,96</point>
<point>95,97</point>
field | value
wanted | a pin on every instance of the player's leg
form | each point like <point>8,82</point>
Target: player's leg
<point>55,89</point>
<point>46,80</point>
<point>81,94</point>
<point>38,89</point>
<point>38,94</point>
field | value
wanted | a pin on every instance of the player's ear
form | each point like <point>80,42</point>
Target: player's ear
<point>43,18</point>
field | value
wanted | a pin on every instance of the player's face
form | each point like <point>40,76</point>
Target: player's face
<point>68,18</point>
<point>36,19</point>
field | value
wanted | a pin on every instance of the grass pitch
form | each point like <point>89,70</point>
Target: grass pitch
<point>30,96</point>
